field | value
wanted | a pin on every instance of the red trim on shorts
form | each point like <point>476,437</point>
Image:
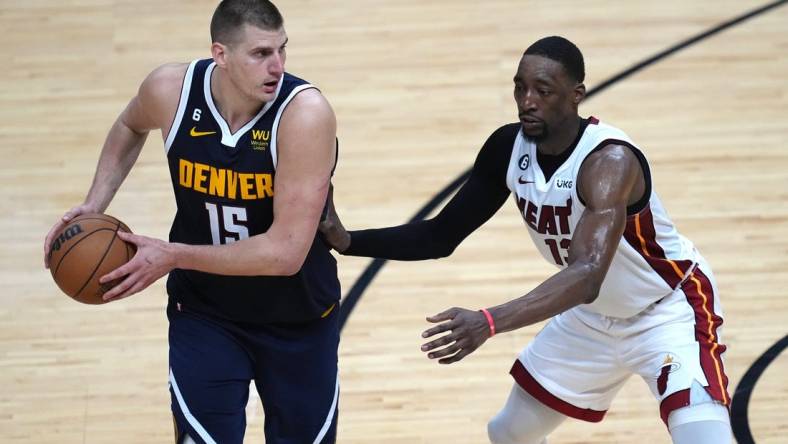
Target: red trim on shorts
<point>530,385</point>
<point>700,295</point>
<point>673,402</point>
<point>642,236</point>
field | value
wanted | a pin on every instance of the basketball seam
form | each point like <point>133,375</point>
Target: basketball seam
<point>80,219</point>
<point>88,234</point>
<point>103,256</point>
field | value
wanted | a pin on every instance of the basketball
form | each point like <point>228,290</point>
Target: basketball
<point>86,249</point>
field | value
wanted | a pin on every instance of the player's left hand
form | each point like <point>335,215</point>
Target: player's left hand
<point>154,259</point>
<point>468,330</point>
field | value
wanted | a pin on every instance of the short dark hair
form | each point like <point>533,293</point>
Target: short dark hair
<point>231,15</point>
<point>562,51</point>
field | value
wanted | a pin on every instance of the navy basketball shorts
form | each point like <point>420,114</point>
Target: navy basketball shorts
<point>294,367</point>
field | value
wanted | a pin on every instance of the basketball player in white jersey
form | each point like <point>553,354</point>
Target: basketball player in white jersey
<point>632,295</point>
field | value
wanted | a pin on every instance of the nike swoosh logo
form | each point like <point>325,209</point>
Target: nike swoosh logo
<point>195,133</point>
<point>523,182</point>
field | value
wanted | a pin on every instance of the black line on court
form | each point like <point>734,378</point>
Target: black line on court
<point>741,397</point>
<point>352,296</point>
<point>690,41</point>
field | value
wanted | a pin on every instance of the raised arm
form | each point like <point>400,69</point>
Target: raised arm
<point>609,181</point>
<point>477,200</point>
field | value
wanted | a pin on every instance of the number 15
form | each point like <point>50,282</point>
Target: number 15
<point>230,216</point>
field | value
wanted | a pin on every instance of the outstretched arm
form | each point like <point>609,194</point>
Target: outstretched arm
<point>477,200</point>
<point>610,179</point>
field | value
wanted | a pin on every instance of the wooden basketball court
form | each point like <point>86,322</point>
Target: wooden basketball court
<point>417,86</point>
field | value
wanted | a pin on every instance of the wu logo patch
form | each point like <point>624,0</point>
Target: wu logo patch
<point>260,139</point>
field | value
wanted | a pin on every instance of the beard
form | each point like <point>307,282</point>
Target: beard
<point>536,137</point>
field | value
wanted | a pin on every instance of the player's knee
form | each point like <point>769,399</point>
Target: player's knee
<point>498,431</point>
<point>501,430</point>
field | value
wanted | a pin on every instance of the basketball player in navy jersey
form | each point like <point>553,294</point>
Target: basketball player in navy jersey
<point>252,289</point>
<point>632,294</point>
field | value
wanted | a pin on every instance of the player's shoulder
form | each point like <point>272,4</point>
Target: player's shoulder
<point>159,94</point>
<point>493,156</point>
<point>612,151</point>
<point>501,140</point>
<point>603,133</point>
<point>166,76</point>
<point>505,133</point>
<point>307,120</point>
<point>311,99</point>
<point>609,143</point>
<point>309,105</point>
<point>612,159</point>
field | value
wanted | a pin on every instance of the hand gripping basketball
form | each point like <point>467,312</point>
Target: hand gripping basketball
<point>154,259</point>
<point>87,247</point>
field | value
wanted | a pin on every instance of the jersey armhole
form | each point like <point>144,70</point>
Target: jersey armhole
<point>641,203</point>
<point>184,99</point>
<point>279,113</point>
<point>336,156</point>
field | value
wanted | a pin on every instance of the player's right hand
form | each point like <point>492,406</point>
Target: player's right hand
<point>334,233</point>
<point>60,224</point>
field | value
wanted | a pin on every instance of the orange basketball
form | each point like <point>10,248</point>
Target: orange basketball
<point>86,249</point>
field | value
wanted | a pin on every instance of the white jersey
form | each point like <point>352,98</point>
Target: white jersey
<point>652,258</point>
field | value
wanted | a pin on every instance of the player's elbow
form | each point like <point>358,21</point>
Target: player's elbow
<point>593,287</point>
<point>289,264</point>
<point>286,261</point>
<point>592,277</point>
<point>442,245</point>
<point>591,296</point>
<point>443,250</point>
<point>283,269</point>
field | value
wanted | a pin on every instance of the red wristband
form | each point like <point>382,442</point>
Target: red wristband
<point>490,321</point>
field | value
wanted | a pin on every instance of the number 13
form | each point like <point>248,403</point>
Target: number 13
<point>554,249</point>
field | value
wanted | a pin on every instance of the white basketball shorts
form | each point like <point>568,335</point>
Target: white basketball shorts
<point>580,360</point>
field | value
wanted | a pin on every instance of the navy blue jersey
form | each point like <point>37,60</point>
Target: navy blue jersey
<point>224,191</point>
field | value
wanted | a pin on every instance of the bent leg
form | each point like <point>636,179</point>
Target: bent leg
<point>523,420</point>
